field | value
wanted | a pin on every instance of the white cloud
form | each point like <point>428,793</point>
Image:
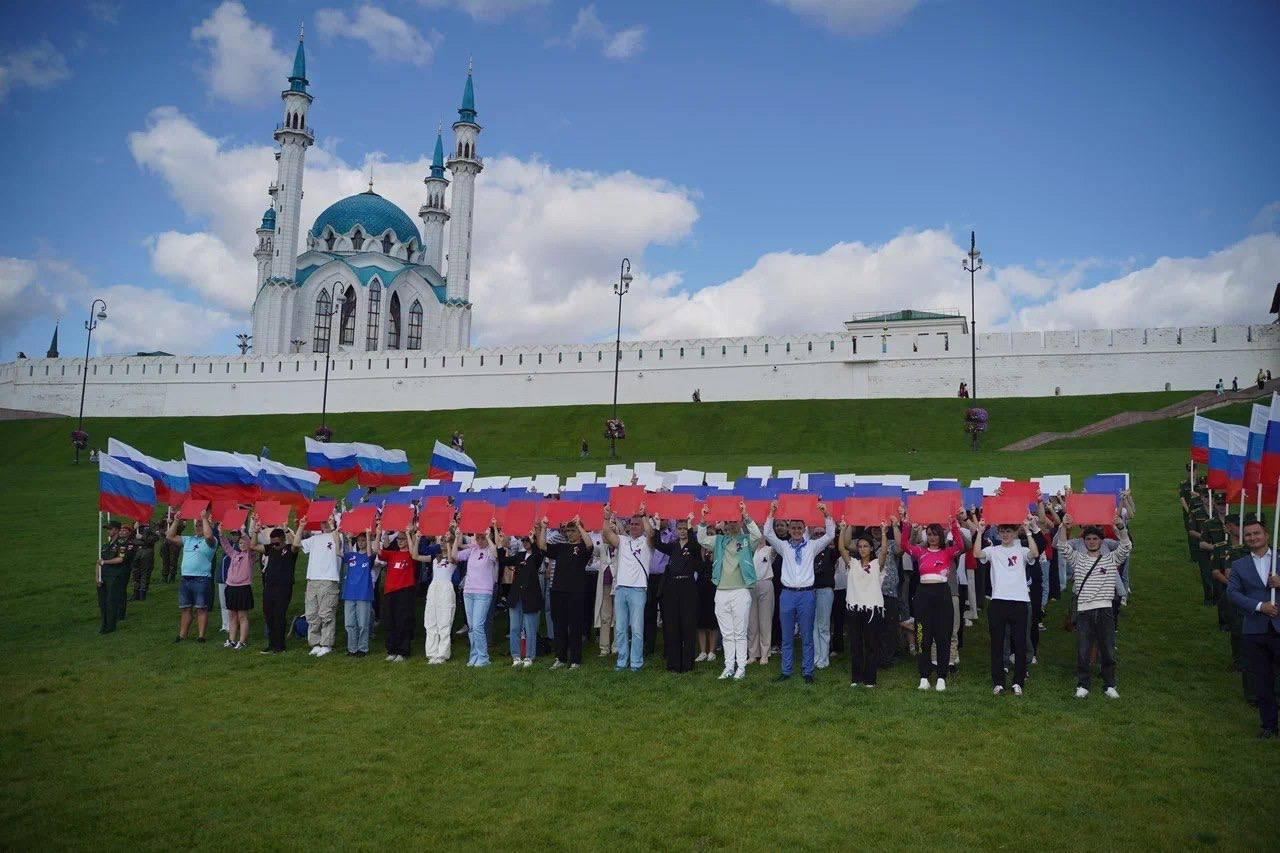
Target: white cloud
<point>851,17</point>
<point>242,62</point>
<point>104,10</point>
<point>614,44</point>
<point>549,241</point>
<point>391,39</point>
<point>17,300</point>
<point>487,11</point>
<point>1267,219</point>
<point>40,66</point>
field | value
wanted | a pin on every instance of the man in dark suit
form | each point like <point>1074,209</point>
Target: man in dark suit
<point>1252,588</point>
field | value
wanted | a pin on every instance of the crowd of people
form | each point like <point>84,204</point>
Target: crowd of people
<point>732,594</point>
<point>1237,573</point>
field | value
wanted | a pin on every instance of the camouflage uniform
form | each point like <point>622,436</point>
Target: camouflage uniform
<point>170,559</point>
<point>120,589</point>
<point>1204,528</point>
<point>144,561</point>
<point>111,576</point>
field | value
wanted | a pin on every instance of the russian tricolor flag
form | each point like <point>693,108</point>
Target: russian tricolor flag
<point>1228,447</point>
<point>1200,439</point>
<point>378,466</point>
<point>445,462</point>
<point>335,462</point>
<point>289,486</point>
<point>217,475</point>
<point>123,489</point>
<point>1271,443</point>
<point>170,477</point>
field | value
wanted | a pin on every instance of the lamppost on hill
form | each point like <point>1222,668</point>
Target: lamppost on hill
<point>244,341</point>
<point>334,310</point>
<point>971,265</point>
<point>96,315</point>
<point>621,288</point>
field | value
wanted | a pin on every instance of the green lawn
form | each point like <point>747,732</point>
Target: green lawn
<point>130,741</point>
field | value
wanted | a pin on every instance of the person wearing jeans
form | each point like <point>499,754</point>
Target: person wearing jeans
<point>357,593</point>
<point>524,599</point>
<point>481,559</point>
<point>797,600</point>
<point>633,553</point>
<point>1093,572</point>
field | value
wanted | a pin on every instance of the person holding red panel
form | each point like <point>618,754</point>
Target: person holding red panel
<point>358,579</point>
<point>197,567</point>
<point>864,599</point>
<point>239,595</point>
<point>680,596</point>
<point>524,599</point>
<point>441,605</point>
<point>1010,564</point>
<point>934,561</point>
<point>633,550</point>
<point>1094,573</point>
<point>798,601</point>
<point>398,588</point>
<point>733,573</point>
<point>281,554</point>
<point>479,580</point>
<point>568,588</point>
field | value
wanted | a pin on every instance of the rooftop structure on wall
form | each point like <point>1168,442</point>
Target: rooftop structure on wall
<point>366,269</point>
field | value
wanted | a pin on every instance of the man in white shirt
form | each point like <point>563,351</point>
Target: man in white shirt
<point>323,558</point>
<point>633,549</point>
<point>1010,606</point>
<point>798,600</point>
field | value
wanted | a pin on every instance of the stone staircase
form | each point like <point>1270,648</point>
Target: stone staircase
<point>1205,402</point>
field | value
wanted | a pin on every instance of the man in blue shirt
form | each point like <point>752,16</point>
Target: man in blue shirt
<point>197,569</point>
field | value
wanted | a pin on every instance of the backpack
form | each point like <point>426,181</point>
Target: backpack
<point>300,627</point>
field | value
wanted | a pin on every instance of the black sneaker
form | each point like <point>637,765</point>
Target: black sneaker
<point>268,650</point>
<point>808,679</point>
<point>1266,734</point>
<point>783,677</point>
<point>200,640</point>
<point>177,639</point>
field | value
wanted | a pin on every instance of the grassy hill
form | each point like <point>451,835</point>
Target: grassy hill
<point>129,740</point>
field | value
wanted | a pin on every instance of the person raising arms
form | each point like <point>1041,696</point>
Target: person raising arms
<point>934,561</point>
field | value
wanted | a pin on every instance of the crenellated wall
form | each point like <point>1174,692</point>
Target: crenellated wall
<point>810,366</point>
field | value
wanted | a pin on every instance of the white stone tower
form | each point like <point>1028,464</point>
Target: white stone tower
<point>465,165</point>
<point>294,137</point>
<point>433,212</point>
<point>266,240</point>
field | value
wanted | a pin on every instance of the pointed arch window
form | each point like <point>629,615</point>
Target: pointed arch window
<point>387,243</point>
<point>347,329</point>
<point>409,250</point>
<point>375,316</point>
<point>357,240</point>
<point>329,239</point>
<point>324,317</point>
<point>393,322</point>
<point>415,325</point>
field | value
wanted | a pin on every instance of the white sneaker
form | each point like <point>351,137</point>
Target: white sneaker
<point>1081,692</point>
<point>968,623</point>
<point>1017,690</point>
<point>387,658</point>
<point>701,657</point>
<point>604,653</point>
<point>398,659</point>
<point>313,650</point>
<point>1033,659</point>
<point>559,664</point>
<point>924,684</point>
<point>575,666</point>
<point>526,663</point>
<point>728,673</point>
<point>941,685</point>
<point>516,662</point>
<point>461,631</point>
<point>870,686</point>
<point>997,690</point>
<point>1111,693</point>
<point>740,674</point>
<point>711,655</point>
<point>324,650</point>
<point>226,644</point>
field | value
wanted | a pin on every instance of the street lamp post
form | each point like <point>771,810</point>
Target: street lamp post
<point>621,288</point>
<point>89,325</point>
<point>971,265</point>
<point>244,341</point>
<point>334,310</point>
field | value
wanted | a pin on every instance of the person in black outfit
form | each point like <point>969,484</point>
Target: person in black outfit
<point>680,597</point>
<point>524,598</point>
<point>782,532</point>
<point>568,588</point>
<point>277,584</point>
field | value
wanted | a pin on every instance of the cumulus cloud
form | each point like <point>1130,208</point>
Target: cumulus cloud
<point>851,17</point>
<point>38,66</point>
<point>487,11</point>
<point>138,318</point>
<point>1266,219</point>
<point>614,44</point>
<point>241,62</point>
<point>391,39</point>
<point>548,242</point>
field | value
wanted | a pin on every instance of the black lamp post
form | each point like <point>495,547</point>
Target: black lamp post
<point>621,288</point>
<point>244,341</point>
<point>334,310</point>
<point>95,315</point>
<point>971,265</point>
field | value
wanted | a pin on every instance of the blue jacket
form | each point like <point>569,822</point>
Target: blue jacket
<point>719,542</point>
<point>1246,591</point>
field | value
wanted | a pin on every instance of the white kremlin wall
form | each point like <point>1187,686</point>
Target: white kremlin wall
<point>868,363</point>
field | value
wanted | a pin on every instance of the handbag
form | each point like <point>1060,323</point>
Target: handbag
<point>1070,623</point>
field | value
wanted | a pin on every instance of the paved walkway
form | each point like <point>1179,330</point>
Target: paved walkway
<point>1205,402</point>
<point>21,415</point>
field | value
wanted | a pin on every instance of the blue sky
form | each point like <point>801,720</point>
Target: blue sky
<point>767,165</point>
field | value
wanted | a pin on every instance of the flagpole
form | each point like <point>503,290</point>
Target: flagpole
<point>1241,542</point>
<point>1210,503</point>
<point>1275,528</point>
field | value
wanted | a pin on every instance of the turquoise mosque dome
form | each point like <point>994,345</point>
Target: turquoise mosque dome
<point>373,213</point>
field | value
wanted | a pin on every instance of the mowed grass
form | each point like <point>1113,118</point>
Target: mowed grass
<point>128,740</point>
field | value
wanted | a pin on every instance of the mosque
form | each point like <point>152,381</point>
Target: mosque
<point>366,267</point>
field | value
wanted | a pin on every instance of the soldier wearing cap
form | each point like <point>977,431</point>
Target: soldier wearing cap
<point>1225,553</point>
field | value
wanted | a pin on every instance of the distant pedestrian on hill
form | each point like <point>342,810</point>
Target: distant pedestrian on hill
<point>1262,379</point>
<point>964,390</point>
<point>1219,387</point>
<point>584,451</point>
<point>1235,383</point>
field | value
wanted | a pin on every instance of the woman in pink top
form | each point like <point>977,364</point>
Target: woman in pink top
<point>932,605</point>
<point>239,584</point>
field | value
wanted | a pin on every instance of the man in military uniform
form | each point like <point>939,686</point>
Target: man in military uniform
<point>111,567</point>
<point>127,544</point>
<point>144,561</point>
<point>1224,554</point>
<point>1200,529</point>
<point>171,552</point>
